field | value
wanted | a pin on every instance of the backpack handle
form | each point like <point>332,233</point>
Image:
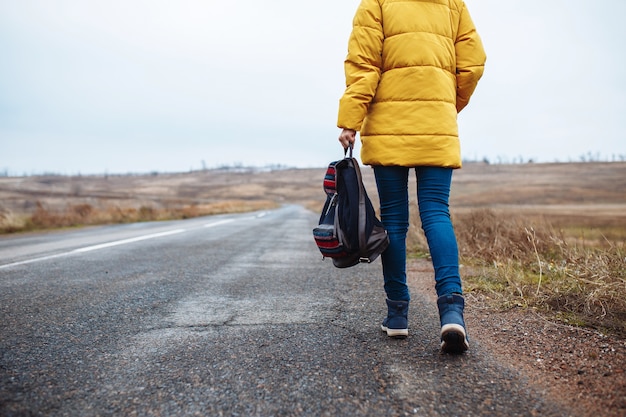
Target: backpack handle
<point>345,151</point>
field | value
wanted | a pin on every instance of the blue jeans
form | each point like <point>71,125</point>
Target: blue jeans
<point>433,191</point>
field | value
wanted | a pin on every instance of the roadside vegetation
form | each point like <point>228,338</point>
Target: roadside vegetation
<point>566,268</point>
<point>88,215</point>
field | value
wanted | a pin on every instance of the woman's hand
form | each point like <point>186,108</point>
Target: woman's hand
<point>347,138</point>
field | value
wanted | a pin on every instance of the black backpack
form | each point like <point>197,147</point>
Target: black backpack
<point>349,231</point>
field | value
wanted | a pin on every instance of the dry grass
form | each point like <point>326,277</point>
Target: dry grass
<point>48,202</point>
<point>85,214</point>
<point>521,260</point>
<point>548,237</point>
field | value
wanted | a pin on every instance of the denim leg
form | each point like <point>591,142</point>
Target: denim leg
<point>433,191</point>
<point>392,183</point>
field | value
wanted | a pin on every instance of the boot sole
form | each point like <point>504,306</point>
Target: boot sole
<point>453,339</point>
<point>395,333</point>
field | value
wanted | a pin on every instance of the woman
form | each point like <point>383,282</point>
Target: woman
<point>411,67</point>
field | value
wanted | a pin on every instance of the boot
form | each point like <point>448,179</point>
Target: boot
<point>396,323</point>
<point>453,333</point>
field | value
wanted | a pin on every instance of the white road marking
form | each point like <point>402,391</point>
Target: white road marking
<point>30,261</point>
<point>109,244</point>
<point>218,223</point>
<point>125,241</point>
<point>94,247</point>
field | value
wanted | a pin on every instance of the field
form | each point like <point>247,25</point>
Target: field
<point>547,236</point>
<point>590,195</point>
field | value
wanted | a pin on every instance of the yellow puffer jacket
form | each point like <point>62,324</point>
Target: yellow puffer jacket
<point>411,67</point>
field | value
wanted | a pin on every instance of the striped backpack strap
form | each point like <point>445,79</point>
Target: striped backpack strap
<point>330,179</point>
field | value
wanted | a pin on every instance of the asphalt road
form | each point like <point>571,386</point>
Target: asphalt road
<point>223,316</point>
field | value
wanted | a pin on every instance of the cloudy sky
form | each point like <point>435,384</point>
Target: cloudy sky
<point>95,86</point>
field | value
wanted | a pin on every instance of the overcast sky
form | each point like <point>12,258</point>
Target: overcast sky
<point>117,86</point>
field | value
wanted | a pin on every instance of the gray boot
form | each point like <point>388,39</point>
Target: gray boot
<point>453,333</point>
<point>396,323</point>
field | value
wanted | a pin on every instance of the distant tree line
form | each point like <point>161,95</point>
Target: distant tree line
<point>235,167</point>
<point>588,157</point>
<point>240,167</point>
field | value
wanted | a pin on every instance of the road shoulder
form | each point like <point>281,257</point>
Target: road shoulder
<point>581,369</point>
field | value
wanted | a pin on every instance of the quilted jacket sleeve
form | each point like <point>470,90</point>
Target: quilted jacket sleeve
<point>470,59</point>
<point>362,65</point>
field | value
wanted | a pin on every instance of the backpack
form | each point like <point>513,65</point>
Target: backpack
<point>348,231</point>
